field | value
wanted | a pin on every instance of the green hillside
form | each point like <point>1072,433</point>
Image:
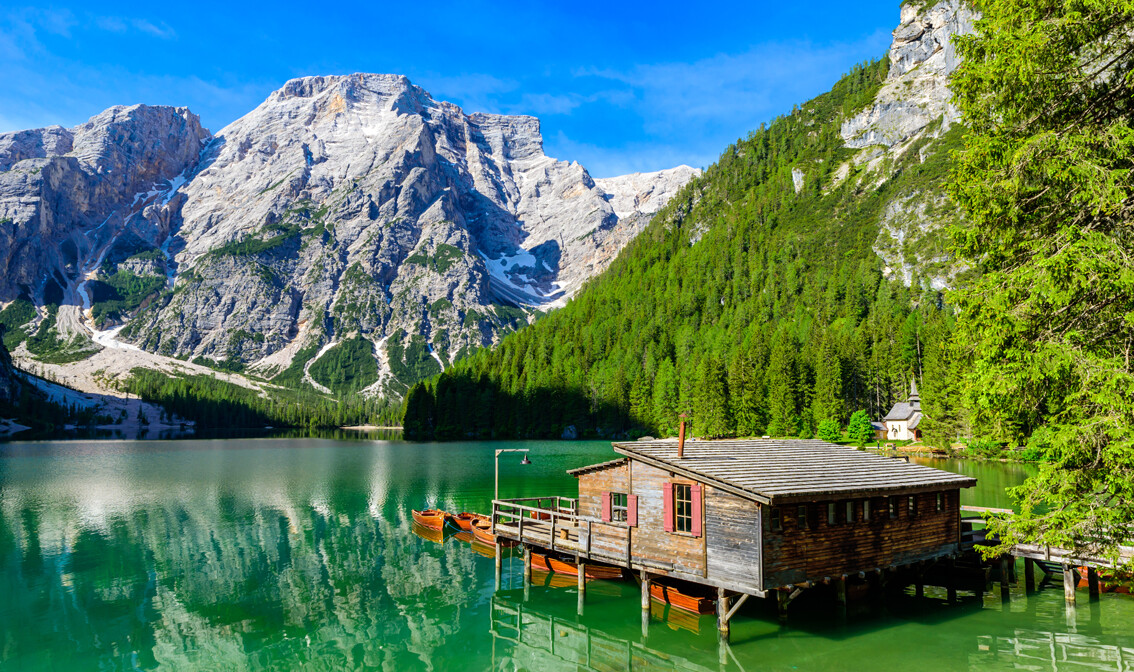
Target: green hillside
<point>755,305</point>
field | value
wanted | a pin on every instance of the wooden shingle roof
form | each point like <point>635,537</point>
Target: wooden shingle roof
<point>597,467</point>
<point>775,471</point>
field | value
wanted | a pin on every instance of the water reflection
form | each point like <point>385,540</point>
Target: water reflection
<point>269,554</point>
<point>203,557</point>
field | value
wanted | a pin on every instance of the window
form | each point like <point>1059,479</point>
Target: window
<point>777,521</point>
<point>911,505</point>
<point>866,510</point>
<point>832,510</point>
<point>849,511</point>
<point>940,502</point>
<point>618,506</point>
<point>893,507</point>
<point>682,507</point>
<point>801,516</point>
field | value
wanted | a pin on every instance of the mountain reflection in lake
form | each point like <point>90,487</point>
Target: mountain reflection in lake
<point>300,553</point>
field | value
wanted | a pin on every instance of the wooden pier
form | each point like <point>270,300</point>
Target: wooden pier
<point>1050,560</point>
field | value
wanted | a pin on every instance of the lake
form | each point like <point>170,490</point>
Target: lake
<point>294,553</point>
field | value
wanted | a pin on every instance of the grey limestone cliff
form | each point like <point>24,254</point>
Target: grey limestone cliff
<point>343,209</point>
<point>913,112</point>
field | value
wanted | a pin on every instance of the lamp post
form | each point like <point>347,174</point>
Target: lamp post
<point>499,451</point>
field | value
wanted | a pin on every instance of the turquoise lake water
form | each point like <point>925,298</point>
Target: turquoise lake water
<point>255,554</point>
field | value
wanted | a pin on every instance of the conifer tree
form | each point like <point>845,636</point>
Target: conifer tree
<point>1048,327</point>
<point>783,419</point>
<point>665,398</point>
<point>712,406</point>
<point>827,402</point>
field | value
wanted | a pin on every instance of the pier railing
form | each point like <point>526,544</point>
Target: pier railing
<point>972,536</point>
<point>554,523</point>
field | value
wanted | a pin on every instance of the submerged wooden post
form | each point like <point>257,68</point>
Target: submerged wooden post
<point>527,572</point>
<point>951,592</point>
<point>1093,583</point>
<point>1070,583</point>
<point>782,600</point>
<point>582,585</point>
<point>1029,576</point>
<point>645,592</point>
<point>499,562</point>
<point>723,603</point>
<point>1005,575</point>
<point>840,595</point>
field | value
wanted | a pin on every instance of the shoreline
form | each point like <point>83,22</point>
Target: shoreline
<point>371,428</point>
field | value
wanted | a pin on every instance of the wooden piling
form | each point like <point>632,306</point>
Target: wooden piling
<point>723,605</point>
<point>840,595</point>
<point>499,564</point>
<point>582,578</point>
<point>1029,575</point>
<point>1005,575</point>
<point>1070,583</point>
<point>1093,583</point>
<point>782,601</point>
<point>645,592</point>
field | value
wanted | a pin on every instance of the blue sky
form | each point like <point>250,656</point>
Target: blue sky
<point>618,87</point>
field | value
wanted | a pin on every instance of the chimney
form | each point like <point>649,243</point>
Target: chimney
<point>681,436</point>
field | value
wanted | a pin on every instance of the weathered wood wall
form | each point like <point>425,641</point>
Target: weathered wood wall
<point>794,555</point>
<point>728,551</point>
<point>651,543</point>
<point>610,541</point>
<point>593,483</point>
<point>732,531</point>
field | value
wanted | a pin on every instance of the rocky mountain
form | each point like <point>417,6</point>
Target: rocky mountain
<point>353,221</point>
<point>913,111</point>
<point>799,279</point>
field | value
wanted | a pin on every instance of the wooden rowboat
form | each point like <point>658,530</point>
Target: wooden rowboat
<point>549,564</point>
<point>689,599</point>
<point>482,531</point>
<point>1109,581</point>
<point>431,518</point>
<point>464,520</point>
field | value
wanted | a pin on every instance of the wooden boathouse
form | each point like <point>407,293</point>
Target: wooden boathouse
<point>747,518</point>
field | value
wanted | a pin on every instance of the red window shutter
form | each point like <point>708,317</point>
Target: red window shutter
<point>632,510</point>
<point>696,510</point>
<point>667,507</point>
<point>606,506</point>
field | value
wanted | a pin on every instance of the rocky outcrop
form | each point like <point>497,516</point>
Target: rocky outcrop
<point>913,112</point>
<point>341,207</point>
<point>922,56</point>
<point>65,192</point>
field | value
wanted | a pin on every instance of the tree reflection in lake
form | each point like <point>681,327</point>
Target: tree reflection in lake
<point>278,554</point>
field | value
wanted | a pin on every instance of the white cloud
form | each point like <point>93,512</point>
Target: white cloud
<point>160,29</point>
<point>639,157</point>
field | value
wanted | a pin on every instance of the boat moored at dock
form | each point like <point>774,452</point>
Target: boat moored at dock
<point>431,518</point>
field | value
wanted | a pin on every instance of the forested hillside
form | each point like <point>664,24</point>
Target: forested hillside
<point>754,301</point>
